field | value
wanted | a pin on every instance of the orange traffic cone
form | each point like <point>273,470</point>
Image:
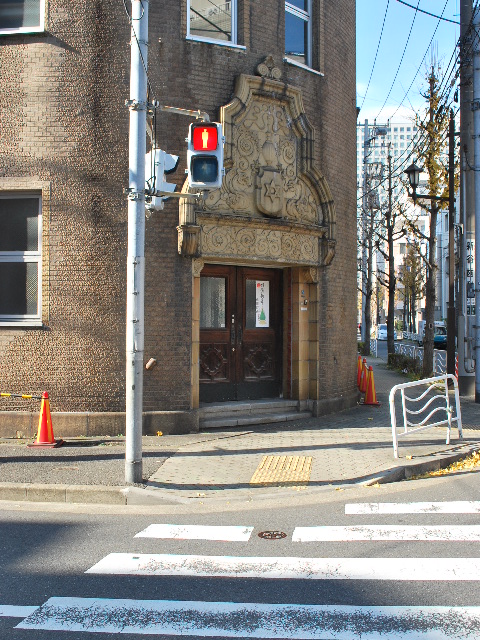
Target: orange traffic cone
<point>359,371</point>
<point>363,381</point>
<point>45,430</point>
<point>370,395</point>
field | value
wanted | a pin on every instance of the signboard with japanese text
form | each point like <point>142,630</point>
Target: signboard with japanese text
<point>262,303</point>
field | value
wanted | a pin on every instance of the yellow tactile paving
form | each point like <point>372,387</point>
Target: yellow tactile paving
<point>283,471</point>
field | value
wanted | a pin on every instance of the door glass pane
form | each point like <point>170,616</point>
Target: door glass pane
<point>18,288</point>
<point>15,14</point>
<point>257,304</point>
<point>211,19</point>
<point>296,38</point>
<point>19,224</point>
<point>212,303</point>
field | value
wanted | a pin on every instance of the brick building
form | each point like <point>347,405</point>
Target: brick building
<point>280,77</point>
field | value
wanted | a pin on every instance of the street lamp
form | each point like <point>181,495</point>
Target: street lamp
<point>413,173</point>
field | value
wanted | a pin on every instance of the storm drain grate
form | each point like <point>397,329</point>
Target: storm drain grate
<point>283,471</point>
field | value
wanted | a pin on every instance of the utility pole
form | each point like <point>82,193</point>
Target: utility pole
<point>476,123</point>
<point>364,231</point>
<point>391,262</point>
<point>466,376</point>
<point>451,248</point>
<point>136,242</point>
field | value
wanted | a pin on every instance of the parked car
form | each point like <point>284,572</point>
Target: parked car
<point>382,332</point>
<point>440,338</point>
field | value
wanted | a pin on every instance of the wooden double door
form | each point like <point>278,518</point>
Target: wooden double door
<point>240,333</point>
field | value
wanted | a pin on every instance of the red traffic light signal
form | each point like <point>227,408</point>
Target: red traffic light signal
<point>205,155</point>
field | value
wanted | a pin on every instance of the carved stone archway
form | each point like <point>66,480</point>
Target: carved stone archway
<point>274,209</point>
<point>274,206</point>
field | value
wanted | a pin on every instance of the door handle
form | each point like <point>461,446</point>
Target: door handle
<point>232,334</point>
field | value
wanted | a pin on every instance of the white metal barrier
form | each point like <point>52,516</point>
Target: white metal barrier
<point>428,408</point>
<point>416,353</point>
<point>373,347</point>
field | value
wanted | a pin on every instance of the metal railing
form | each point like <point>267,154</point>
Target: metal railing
<point>416,353</point>
<point>433,404</point>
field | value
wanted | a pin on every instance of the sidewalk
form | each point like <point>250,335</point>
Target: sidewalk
<point>354,446</point>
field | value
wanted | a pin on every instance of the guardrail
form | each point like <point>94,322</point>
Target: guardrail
<point>373,347</point>
<point>416,353</point>
<point>436,403</point>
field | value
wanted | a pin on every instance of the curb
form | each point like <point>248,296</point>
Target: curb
<point>405,472</point>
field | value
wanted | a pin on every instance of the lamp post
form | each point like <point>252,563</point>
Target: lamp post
<point>413,173</point>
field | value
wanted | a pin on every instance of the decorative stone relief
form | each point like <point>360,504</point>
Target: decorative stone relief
<point>197,266</point>
<point>269,177</point>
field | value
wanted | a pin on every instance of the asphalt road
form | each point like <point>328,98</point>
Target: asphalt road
<point>47,548</point>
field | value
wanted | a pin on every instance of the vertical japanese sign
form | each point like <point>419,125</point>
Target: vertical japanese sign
<point>262,303</point>
<point>470,277</point>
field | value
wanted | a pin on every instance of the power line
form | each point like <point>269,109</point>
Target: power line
<point>426,12</point>
<point>401,59</point>
<point>421,62</point>
<point>376,54</point>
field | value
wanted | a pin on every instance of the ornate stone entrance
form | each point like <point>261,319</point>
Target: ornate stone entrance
<point>274,209</point>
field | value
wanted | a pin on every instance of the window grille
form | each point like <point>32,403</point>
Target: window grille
<point>20,258</point>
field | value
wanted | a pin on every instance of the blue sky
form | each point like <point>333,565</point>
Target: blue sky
<point>398,22</point>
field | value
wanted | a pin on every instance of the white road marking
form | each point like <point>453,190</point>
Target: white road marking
<point>441,569</point>
<point>15,611</point>
<point>197,532</point>
<point>470,533</point>
<point>254,620</point>
<point>412,507</point>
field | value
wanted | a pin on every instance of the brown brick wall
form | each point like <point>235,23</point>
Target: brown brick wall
<point>63,122</point>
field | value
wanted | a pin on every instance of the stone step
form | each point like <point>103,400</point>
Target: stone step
<point>248,419</point>
<point>223,409</point>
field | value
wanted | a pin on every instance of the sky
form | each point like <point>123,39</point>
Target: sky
<point>381,100</point>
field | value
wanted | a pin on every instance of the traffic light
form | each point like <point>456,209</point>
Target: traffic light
<point>205,155</point>
<point>158,164</point>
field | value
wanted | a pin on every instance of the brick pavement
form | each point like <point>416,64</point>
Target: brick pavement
<point>353,446</point>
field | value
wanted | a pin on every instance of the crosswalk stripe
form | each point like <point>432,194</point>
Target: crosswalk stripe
<point>253,620</point>
<point>440,569</point>
<point>412,507</point>
<point>197,532</point>
<point>15,611</point>
<point>470,533</point>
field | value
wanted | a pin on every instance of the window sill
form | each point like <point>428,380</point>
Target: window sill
<point>221,43</point>
<point>294,63</point>
<point>21,31</point>
<point>21,324</point>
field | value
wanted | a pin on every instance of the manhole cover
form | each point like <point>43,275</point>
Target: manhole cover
<point>272,535</point>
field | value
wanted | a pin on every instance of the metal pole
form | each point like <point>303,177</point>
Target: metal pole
<point>466,377</point>
<point>476,124</point>
<point>136,243</point>
<point>451,248</point>
<point>364,231</point>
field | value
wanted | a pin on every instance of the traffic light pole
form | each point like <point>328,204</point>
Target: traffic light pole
<point>136,243</point>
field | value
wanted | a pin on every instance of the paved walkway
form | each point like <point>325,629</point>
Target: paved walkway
<point>354,446</point>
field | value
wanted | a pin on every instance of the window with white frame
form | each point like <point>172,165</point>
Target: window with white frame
<point>20,258</point>
<point>22,16</point>
<point>298,31</point>
<point>212,20</point>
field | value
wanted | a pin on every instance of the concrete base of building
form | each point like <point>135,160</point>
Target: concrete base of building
<point>23,424</point>
<point>333,405</point>
<point>466,384</point>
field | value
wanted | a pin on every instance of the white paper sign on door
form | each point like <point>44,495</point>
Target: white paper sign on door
<point>262,303</point>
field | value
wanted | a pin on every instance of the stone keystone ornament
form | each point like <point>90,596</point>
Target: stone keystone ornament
<point>269,183</point>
